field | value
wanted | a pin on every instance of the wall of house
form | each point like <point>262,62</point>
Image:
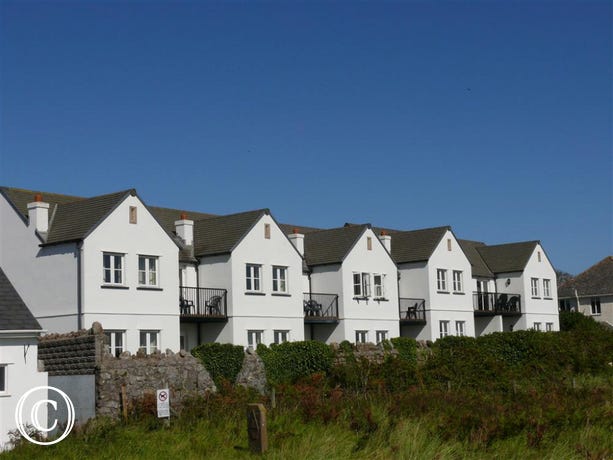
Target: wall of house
<point>606,308</point>
<point>266,311</point>
<point>540,309</point>
<point>488,324</point>
<point>19,355</point>
<point>52,270</point>
<point>414,282</point>
<point>132,307</point>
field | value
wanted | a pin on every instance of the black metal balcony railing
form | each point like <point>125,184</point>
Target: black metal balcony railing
<point>492,303</point>
<point>320,307</point>
<point>412,310</point>
<point>203,303</point>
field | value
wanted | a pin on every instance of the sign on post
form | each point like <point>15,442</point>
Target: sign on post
<point>163,400</point>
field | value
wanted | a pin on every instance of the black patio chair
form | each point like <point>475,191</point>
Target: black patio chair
<point>213,305</point>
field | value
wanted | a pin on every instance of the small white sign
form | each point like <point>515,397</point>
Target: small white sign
<point>163,398</point>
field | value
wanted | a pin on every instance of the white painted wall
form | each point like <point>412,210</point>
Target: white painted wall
<point>135,308</point>
<point>44,277</point>
<point>19,352</point>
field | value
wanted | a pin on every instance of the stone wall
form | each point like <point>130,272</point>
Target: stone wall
<point>142,375</point>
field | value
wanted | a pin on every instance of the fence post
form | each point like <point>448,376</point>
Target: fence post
<point>256,428</point>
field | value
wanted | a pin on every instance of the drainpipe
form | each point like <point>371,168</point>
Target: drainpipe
<point>79,285</point>
<point>577,297</point>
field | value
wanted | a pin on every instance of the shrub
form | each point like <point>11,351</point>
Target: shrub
<point>223,361</point>
<point>289,361</point>
<point>407,349</point>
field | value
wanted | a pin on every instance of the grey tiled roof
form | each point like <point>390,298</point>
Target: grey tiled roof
<point>21,197</point>
<point>14,314</point>
<point>331,246</point>
<point>167,216</point>
<point>478,265</point>
<point>414,245</point>
<point>596,280</point>
<point>73,221</point>
<point>289,229</point>
<point>505,258</point>
<point>220,235</point>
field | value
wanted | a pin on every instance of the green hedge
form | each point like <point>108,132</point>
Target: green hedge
<point>223,361</point>
<point>290,361</point>
<point>406,348</point>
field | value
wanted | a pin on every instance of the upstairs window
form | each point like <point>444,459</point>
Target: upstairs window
<point>112,268</point>
<point>379,282</point>
<point>279,279</point>
<point>361,284</point>
<point>147,271</point>
<point>534,284</point>
<point>253,278</point>
<point>441,280</point>
<point>457,281</point>
<point>596,306</point>
<point>547,288</point>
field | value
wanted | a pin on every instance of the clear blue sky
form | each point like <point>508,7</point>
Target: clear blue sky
<point>492,117</point>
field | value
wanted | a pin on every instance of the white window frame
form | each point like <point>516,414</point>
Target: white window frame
<point>4,379</point>
<point>534,287</point>
<point>361,284</point>
<point>381,336</point>
<point>279,279</point>
<point>281,336</point>
<point>443,326</point>
<point>148,334</point>
<point>253,278</point>
<point>460,328</point>
<point>361,336</point>
<point>458,281</point>
<point>596,309</point>
<point>149,270</point>
<point>441,280</point>
<point>379,287</point>
<point>112,269</point>
<point>546,288</point>
<point>112,346</point>
<point>537,326</point>
<point>254,337</point>
<point>549,327</point>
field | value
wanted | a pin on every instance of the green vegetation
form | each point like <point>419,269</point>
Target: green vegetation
<point>521,395</point>
<point>223,361</point>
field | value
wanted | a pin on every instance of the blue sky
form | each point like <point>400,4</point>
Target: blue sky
<point>492,117</point>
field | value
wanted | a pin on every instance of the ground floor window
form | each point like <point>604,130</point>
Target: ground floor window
<point>281,336</point>
<point>443,328</point>
<point>537,326</point>
<point>115,342</point>
<point>381,336</point>
<point>549,327</point>
<point>2,378</point>
<point>182,343</point>
<point>254,338</point>
<point>460,328</point>
<point>596,306</point>
<point>149,341</point>
<point>361,336</point>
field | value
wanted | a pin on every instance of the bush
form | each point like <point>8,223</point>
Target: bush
<point>407,349</point>
<point>223,361</point>
<point>289,361</point>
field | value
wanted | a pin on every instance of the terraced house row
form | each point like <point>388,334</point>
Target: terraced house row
<point>160,278</point>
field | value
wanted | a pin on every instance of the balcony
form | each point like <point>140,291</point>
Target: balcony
<point>412,311</point>
<point>320,308</point>
<point>491,303</point>
<point>203,305</point>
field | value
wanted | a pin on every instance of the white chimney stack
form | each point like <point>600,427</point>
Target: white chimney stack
<point>38,214</point>
<point>297,240</point>
<point>386,240</point>
<point>185,229</point>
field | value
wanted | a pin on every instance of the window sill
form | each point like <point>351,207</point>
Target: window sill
<point>5,395</point>
<point>459,293</point>
<point>380,299</point>
<point>254,293</point>
<point>149,288</point>
<point>280,294</point>
<point>442,292</point>
<point>536,297</point>
<point>360,298</point>
<point>113,286</point>
<point>548,298</point>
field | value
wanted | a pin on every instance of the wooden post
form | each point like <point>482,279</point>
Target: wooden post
<point>124,403</point>
<point>273,398</point>
<point>256,428</point>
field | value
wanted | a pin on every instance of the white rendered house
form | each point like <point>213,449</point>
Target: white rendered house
<point>352,290</point>
<point>241,280</point>
<point>515,287</point>
<point>590,292</point>
<point>79,260</point>
<point>19,333</point>
<point>434,284</point>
